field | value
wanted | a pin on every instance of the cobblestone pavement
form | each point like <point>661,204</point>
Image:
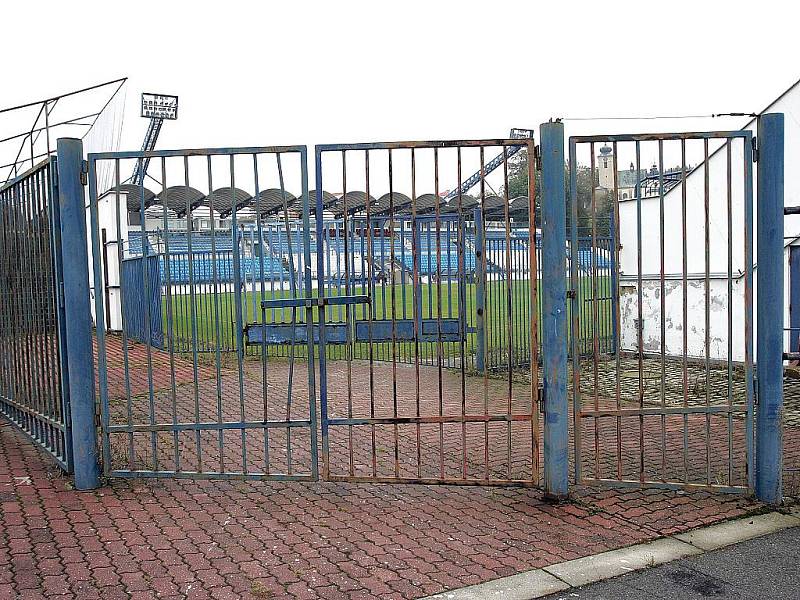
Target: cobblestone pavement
<point>236,539</point>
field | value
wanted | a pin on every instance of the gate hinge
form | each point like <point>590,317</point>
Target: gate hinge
<point>540,398</point>
<point>84,172</point>
<point>61,300</point>
<point>754,142</point>
<point>537,158</point>
<point>755,391</point>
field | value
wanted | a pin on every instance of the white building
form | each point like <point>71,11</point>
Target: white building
<point>719,300</point>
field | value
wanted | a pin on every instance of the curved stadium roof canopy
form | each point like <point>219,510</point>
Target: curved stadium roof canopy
<point>134,195</point>
<point>270,201</point>
<point>179,198</point>
<point>354,201</point>
<point>226,200</point>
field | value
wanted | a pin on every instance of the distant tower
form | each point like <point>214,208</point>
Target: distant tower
<point>605,168</point>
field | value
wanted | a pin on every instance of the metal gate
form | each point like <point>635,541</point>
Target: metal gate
<point>671,404</point>
<point>318,280</point>
<point>175,408</point>
<point>429,295</point>
<point>33,389</point>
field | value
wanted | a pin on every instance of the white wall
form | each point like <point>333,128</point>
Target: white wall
<point>107,219</point>
<point>789,104</point>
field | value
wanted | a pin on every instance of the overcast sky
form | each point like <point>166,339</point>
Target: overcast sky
<point>263,73</point>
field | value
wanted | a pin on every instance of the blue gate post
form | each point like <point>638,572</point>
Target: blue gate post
<point>554,312</point>
<point>80,360</point>
<point>769,319</point>
<point>480,293</point>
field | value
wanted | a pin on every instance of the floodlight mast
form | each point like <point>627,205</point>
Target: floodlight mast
<point>490,166</point>
<point>156,107</point>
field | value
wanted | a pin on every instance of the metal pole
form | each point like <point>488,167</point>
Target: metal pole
<point>480,294</point>
<point>769,318</point>
<point>554,312</point>
<point>80,360</point>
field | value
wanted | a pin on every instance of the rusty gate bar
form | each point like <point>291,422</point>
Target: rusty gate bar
<point>672,403</point>
<point>34,392</point>
<point>447,425</point>
<point>207,401</point>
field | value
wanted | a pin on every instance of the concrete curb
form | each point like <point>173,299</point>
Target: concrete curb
<point>591,569</point>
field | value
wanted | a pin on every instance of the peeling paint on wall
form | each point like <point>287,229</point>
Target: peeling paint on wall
<point>718,304</point>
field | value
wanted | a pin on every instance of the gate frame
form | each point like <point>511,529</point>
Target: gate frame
<point>752,457</point>
<point>106,428</point>
<point>534,392</point>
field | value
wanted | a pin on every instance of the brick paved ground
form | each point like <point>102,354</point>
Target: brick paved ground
<point>201,539</point>
<point>258,539</point>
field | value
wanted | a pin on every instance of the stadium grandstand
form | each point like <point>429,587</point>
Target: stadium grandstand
<point>201,225</point>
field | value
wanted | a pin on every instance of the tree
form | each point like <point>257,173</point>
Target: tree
<point>586,181</point>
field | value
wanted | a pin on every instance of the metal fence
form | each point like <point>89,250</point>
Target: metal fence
<point>351,270</point>
<point>32,386</point>
<point>668,402</point>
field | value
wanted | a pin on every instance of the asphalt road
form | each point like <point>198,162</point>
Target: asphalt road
<point>763,568</point>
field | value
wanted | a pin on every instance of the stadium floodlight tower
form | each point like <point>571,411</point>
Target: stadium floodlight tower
<point>157,108</point>
<point>508,152</point>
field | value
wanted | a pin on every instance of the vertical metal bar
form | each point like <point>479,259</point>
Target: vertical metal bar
<point>438,231</point>
<point>595,326</point>
<point>292,345</point>
<point>748,309</point>
<point>107,466</point>
<point>685,309</point>
<point>417,299</point>
<point>728,180</point>
<point>462,314</point>
<point>554,310</point>
<point>148,317</point>
<point>575,309</point>
<point>217,316</point>
<point>480,292</point>
<point>371,310</point>
<point>394,313</point>
<point>323,378</point>
<point>533,308</point>
<point>617,345</point>
<point>237,298</point>
<point>348,291</point>
<point>509,309</point>
<point>707,303</point>
<point>312,384</point>
<point>170,323</point>
<point>663,308</point>
<point>44,272</point>
<point>262,312</point>
<point>639,293</point>
<point>193,317</point>
<point>769,426</point>
<point>80,361</point>
<point>485,370</point>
